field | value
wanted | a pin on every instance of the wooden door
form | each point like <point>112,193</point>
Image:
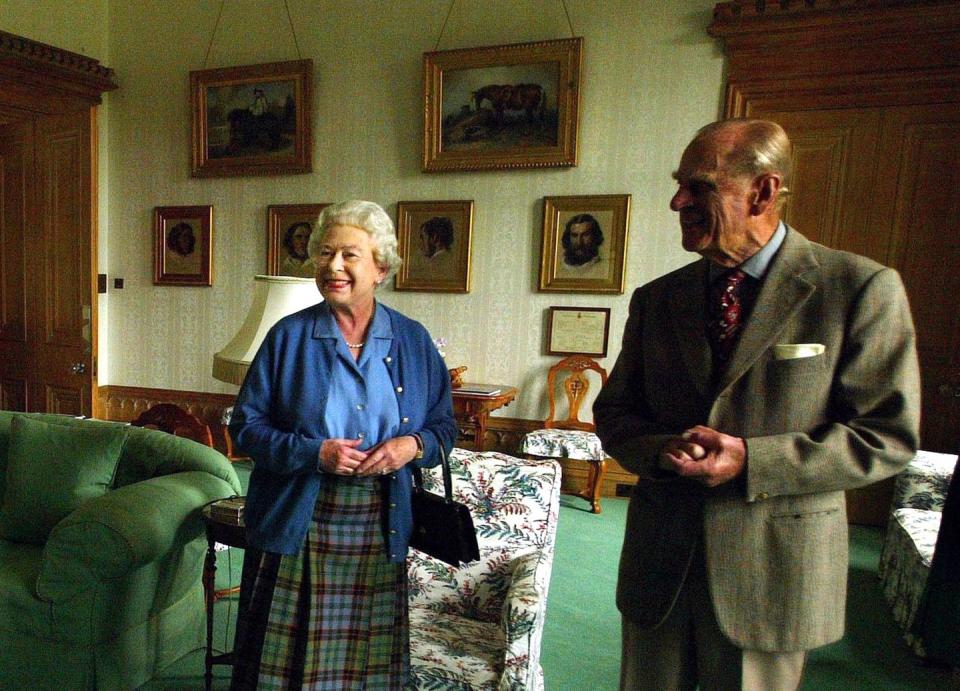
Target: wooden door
<point>917,210</point>
<point>46,286</point>
<point>884,183</point>
<point>60,277</point>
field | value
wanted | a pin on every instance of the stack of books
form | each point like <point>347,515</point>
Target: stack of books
<point>228,510</point>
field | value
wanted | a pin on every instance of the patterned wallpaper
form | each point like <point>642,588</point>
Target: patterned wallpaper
<point>651,76</point>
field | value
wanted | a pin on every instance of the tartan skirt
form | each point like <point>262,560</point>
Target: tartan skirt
<point>332,617</point>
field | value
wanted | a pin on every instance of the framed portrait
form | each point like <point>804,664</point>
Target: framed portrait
<point>252,120</point>
<point>578,331</point>
<point>511,106</point>
<point>434,243</point>
<point>183,245</point>
<point>289,227</point>
<point>584,243</point>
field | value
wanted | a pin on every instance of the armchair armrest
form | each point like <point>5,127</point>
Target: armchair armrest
<point>524,614</point>
<point>923,483</point>
<point>112,535</point>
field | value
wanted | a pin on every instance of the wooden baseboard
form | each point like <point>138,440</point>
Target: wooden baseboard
<point>504,434</point>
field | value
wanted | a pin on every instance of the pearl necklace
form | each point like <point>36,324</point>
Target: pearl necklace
<point>355,345</point>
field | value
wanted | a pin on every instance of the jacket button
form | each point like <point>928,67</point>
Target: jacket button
<point>388,359</point>
<point>762,495</point>
<point>393,505</point>
<point>404,420</point>
<point>399,389</point>
<point>393,532</point>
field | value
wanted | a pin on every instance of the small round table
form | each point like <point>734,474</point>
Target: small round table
<point>226,528</point>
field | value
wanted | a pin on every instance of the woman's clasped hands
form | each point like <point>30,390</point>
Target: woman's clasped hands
<point>342,457</point>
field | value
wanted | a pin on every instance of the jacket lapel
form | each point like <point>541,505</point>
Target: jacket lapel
<point>783,291</point>
<point>687,307</point>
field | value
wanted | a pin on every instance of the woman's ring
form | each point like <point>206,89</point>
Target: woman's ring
<point>383,471</point>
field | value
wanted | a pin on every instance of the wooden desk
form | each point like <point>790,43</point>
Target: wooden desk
<point>472,411</point>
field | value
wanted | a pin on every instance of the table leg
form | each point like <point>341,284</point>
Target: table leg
<point>209,574</point>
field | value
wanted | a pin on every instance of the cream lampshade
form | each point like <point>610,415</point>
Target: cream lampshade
<point>274,297</point>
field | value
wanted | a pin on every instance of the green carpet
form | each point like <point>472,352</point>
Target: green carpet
<point>581,641</point>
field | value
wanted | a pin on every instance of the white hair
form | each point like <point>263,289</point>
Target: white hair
<point>366,216</point>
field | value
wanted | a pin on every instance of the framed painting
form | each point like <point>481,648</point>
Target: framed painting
<point>578,331</point>
<point>584,243</point>
<point>511,106</point>
<point>183,246</point>
<point>289,227</point>
<point>252,120</point>
<point>434,243</point>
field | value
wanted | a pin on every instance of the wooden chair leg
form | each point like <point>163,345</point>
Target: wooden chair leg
<point>591,492</point>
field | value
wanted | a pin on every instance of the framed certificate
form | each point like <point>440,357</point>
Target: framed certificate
<point>578,331</point>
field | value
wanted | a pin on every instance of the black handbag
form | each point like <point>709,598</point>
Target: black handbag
<point>442,527</point>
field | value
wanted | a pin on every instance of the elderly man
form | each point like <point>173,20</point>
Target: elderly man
<point>753,387</point>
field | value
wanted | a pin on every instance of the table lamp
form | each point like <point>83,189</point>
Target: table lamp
<point>274,297</point>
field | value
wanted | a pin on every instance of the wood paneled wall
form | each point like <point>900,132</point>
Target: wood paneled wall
<point>124,403</point>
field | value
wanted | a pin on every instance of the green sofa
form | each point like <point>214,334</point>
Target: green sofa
<point>101,550</point>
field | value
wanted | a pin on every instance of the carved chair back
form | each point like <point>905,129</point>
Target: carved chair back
<point>572,374</point>
<point>174,420</point>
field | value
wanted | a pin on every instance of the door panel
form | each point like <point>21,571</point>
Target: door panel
<point>16,165</point>
<point>834,163</point>
<point>64,365</point>
<point>918,208</point>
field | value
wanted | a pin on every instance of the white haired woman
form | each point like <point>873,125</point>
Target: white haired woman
<point>337,403</point>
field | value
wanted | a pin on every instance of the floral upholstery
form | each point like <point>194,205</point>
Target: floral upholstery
<point>923,484</point>
<point>562,443</point>
<point>908,546</point>
<point>480,626</point>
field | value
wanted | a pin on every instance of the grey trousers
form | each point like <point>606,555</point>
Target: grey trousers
<point>689,649</point>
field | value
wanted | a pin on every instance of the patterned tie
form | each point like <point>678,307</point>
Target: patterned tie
<point>729,302</point>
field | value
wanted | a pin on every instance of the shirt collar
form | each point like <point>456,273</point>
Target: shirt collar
<point>757,265</point>
<point>381,326</point>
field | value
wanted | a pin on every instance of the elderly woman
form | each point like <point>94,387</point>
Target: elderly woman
<point>339,400</point>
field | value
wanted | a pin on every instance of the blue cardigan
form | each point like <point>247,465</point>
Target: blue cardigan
<point>278,421</point>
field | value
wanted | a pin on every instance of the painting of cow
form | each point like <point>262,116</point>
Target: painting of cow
<point>510,106</point>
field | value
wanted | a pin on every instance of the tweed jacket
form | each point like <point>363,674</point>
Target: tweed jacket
<point>775,538</point>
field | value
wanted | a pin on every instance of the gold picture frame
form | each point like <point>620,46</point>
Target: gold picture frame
<point>578,331</point>
<point>287,241</point>
<point>252,119</point>
<point>584,246</point>
<point>497,107</point>
<point>183,245</point>
<point>434,243</point>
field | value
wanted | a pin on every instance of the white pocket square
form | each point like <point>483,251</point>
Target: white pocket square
<point>793,351</point>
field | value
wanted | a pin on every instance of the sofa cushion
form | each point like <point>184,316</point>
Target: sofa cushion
<point>51,470</point>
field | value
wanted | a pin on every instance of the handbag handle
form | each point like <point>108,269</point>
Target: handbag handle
<point>447,480</point>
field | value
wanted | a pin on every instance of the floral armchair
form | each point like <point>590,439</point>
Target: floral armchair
<point>480,626</point>
<point>912,530</point>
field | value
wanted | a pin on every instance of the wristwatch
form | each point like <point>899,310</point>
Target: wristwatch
<point>419,453</point>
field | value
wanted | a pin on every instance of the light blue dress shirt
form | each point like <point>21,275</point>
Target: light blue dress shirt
<point>359,402</point>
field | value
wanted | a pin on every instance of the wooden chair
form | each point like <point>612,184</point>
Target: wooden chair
<point>174,420</point>
<point>571,438</point>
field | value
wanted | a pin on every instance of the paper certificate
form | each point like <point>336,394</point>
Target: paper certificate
<point>581,331</point>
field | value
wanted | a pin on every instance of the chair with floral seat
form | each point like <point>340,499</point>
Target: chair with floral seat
<point>480,626</point>
<point>571,438</point>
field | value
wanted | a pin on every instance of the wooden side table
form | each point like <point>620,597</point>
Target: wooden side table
<point>226,531</point>
<point>472,411</point>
